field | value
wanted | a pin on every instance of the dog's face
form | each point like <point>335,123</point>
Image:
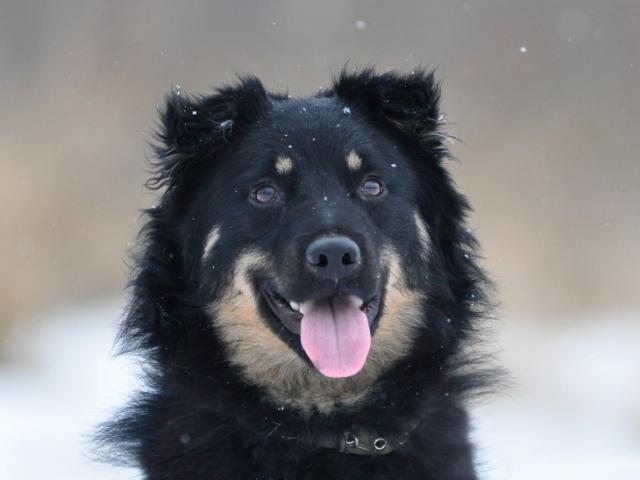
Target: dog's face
<point>305,229</point>
<point>315,205</point>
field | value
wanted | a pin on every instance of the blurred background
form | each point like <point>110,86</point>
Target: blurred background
<point>545,96</point>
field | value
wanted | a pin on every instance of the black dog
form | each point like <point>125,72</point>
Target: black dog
<point>305,290</point>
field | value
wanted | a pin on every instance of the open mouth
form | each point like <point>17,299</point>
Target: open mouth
<point>335,332</point>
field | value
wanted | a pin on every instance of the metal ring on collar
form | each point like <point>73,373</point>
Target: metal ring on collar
<point>379,444</point>
<point>351,440</point>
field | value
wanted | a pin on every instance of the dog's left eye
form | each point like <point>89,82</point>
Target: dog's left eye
<point>265,193</point>
<point>372,187</point>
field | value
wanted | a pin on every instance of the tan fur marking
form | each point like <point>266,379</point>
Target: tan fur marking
<point>402,315</point>
<point>267,361</point>
<point>423,235</point>
<point>284,164</point>
<point>212,239</point>
<point>354,162</point>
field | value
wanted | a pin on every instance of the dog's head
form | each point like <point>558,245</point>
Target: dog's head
<point>321,236</point>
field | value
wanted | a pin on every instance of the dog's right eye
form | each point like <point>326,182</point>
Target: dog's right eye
<point>265,194</point>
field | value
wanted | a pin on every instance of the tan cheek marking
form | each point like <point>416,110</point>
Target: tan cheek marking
<point>402,317</point>
<point>261,355</point>
<point>284,165</point>
<point>238,320</point>
<point>354,162</point>
<point>423,235</point>
<point>212,239</point>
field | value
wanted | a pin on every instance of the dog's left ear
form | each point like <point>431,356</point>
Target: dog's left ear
<point>407,104</point>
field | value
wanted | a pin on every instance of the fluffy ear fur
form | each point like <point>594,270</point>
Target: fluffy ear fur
<point>193,128</point>
<point>407,104</point>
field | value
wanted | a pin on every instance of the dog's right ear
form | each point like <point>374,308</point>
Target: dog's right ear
<point>194,128</point>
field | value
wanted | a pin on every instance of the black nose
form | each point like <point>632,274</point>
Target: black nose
<point>333,257</point>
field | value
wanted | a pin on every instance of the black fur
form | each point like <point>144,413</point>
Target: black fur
<point>197,418</point>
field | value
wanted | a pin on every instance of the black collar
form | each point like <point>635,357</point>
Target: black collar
<point>364,442</point>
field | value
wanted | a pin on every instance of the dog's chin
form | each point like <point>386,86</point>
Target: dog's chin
<point>334,331</point>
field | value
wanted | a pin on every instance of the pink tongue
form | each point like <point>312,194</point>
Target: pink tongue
<point>335,335</point>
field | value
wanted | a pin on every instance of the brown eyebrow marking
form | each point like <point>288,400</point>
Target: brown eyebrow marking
<point>354,162</point>
<point>284,164</point>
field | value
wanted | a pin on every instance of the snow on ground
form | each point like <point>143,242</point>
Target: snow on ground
<point>574,409</point>
<point>63,383</point>
<point>573,413</point>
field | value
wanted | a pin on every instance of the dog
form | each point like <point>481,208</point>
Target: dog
<point>306,290</point>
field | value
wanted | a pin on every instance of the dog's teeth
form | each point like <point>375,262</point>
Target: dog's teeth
<point>356,301</point>
<point>295,306</point>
